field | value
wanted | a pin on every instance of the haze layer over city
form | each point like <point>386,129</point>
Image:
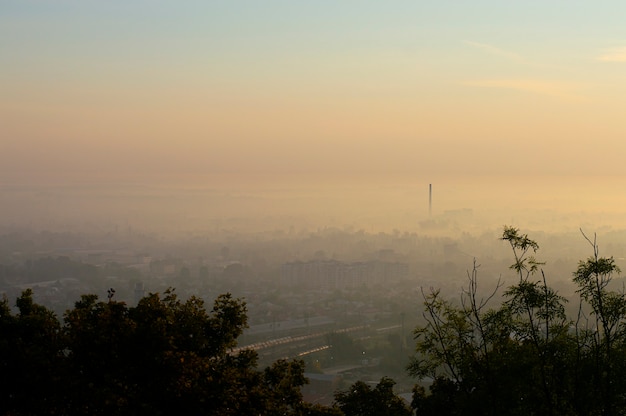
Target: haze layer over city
<point>265,148</point>
<point>340,111</point>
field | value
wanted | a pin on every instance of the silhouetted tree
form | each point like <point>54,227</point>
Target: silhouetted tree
<point>31,353</point>
<point>162,357</point>
<point>526,356</point>
<point>361,400</point>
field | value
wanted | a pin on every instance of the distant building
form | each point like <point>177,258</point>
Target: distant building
<point>332,274</point>
<point>139,292</point>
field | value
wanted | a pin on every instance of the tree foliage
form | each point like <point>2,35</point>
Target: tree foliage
<point>362,400</point>
<point>31,349</point>
<point>525,356</point>
<point>164,356</point>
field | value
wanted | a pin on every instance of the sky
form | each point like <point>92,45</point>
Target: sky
<point>425,91</point>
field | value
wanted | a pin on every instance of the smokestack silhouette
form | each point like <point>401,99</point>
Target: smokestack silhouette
<point>430,199</point>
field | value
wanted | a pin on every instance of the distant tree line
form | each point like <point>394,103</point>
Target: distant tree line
<point>47,268</point>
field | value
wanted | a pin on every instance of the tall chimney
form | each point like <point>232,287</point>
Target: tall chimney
<point>430,199</point>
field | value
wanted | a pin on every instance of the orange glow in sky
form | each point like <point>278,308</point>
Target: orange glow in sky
<point>415,91</point>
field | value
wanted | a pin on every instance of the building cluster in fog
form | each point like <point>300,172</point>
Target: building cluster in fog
<point>365,290</point>
<point>333,274</point>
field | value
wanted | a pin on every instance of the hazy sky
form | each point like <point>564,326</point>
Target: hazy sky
<point>129,90</point>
